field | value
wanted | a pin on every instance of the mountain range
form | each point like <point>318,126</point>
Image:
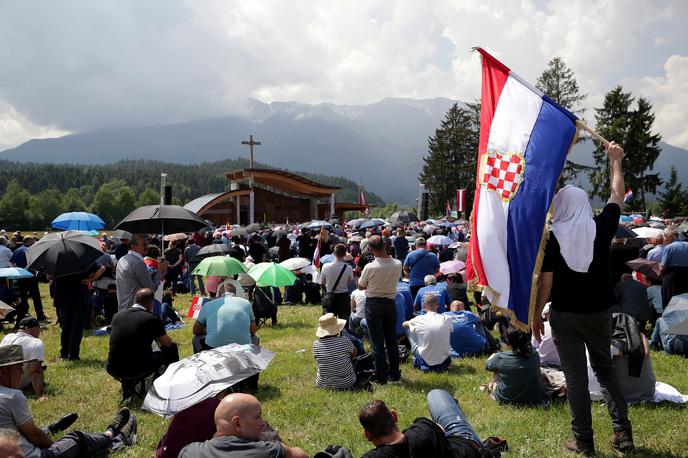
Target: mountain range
<point>380,145</point>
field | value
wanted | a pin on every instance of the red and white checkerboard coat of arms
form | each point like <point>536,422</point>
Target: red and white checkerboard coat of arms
<point>502,173</point>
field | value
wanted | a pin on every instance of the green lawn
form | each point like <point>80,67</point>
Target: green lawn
<point>312,418</point>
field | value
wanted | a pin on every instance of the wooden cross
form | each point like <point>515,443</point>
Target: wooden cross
<point>250,144</point>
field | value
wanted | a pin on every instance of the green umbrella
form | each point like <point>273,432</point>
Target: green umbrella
<point>221,266</point>
<point>271,274</point>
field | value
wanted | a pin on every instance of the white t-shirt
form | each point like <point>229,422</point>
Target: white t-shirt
<point>32,349</point>
<point>5,256</point>
<point>359,297</point>
<point>431,333</point>
<point>380,277</point>
<point>546,349</point>
<point>331,271</point>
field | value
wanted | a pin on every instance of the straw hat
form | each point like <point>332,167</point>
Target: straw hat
<point>11,354</point>
<point>330,325</point>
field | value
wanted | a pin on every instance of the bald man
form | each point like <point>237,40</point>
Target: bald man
<point>240,432</point>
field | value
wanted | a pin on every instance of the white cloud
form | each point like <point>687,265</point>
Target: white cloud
<point>669,96</point>
<point>16,129</point>
<point>84,64</point>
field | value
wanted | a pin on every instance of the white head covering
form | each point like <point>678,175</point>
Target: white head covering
<point>574,227</point>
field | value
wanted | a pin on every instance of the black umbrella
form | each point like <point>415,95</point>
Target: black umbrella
<point>622,232</point>
<point>402,217</point>
<point>161,219</point>
<point>122,235</point>
<point>63,253</point>
<point>215,249</point>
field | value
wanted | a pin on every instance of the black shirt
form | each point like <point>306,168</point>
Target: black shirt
<point>580,292</point>
<point>133,332</point>
<point>424,438</point>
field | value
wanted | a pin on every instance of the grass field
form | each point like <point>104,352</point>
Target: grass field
<point>312,418</point>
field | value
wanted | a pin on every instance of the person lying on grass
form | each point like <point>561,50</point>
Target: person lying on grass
<point>36,442</point>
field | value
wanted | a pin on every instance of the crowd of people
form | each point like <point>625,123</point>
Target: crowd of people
<point>384,289</point>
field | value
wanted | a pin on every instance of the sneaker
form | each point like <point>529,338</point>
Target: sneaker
<point>129,431</point>
<point>573,445</point>
<point>121,419</point>
<point>623,441</point>
<point>63,423</point>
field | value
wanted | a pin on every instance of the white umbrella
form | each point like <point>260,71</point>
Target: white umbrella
<point>295,263</point>
<point>648,232</point>
<point>175,237</point>
<point>5,309</point>
<point>203,375</point>
<point>440,240</point>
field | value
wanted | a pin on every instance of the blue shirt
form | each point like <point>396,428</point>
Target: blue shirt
<point>675,254</point>
<point>656,253</point>
<point>465,339</point>
<point>443,298</point>
<point>227,320</point>
<point>405,290</point>
<point>19,257</point>
<point>421,262</point>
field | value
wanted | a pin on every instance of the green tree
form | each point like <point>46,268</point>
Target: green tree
<point>673,201</point>
<point>149,196</point>
<point>632,128</point>
<point>559,83</point>
<point>452,155</point>
<point>73,202</point>
<point>13,207</point>
<point>113,201</point>
<point>45,207</point>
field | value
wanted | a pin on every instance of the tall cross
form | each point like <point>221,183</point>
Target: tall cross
<point>250,144</point>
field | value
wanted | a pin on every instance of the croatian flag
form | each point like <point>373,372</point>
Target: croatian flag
<point>628,196</point>
<point>524,139</point>
<point>447,210</point>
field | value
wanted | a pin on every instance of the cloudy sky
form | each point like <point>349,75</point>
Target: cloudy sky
<point>71,66</point>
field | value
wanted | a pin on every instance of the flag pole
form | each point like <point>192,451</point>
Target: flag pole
<point>581,125</point>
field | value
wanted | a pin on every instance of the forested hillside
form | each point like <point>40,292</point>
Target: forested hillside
<point>33,194</point>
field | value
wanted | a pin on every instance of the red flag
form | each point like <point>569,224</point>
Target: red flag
<point>316,255</point>
<point>196,306</point>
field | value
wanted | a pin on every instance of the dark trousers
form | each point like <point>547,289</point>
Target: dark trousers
<point>381,318</point>
<point>72,319</point>
<point>76,444</point>
<point>675,281</point>
<point>29,287</point>
<point>572,333</point>
<point>341,306</point>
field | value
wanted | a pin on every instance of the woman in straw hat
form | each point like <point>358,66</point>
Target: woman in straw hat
<point>333,353</point>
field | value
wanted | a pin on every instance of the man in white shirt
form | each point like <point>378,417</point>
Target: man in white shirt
<point>27,338</point>
<point>429,335</point>
<point>379,279</point>
<point>133,274</point>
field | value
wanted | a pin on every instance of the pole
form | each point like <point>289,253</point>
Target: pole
<point>163,181</point>
<point>581,125</point>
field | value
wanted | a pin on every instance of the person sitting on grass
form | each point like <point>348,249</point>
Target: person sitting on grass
<point>36,442</point>
<point>469,337</point>
<point>133,333</point>
<point>429,336</point>
<point>333,352</point>
<point>516,373</point>
<point>432,289</point>
<point>448,434</point>
<point>27,338</point>
<point>312,290</point>
<point>225,320</point>
<point>241,431</point>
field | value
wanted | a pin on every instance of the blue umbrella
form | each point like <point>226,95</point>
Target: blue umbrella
<point>78,221</point>
<point>14,273</point>
<point>327,258</point>
<point>375,222</point>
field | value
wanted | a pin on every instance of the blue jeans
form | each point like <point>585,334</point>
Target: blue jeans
<point>446,412</point>
<point>381,318</point>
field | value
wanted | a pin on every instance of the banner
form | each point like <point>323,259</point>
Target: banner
<point>524,140</point>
